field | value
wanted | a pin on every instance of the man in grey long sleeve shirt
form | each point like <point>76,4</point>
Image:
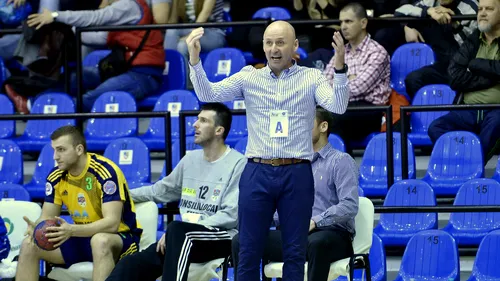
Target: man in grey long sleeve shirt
<point>335,206</point>
<point>207,184</point>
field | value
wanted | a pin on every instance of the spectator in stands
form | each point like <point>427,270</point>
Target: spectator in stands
<point>369,76</point>
<point>161,10</point>
<point>207,184</point>
<point>145,75</point>
<point>96,194</point>
<point>475,72</point>
<point>443,35</point>
<point>199,11</point>
<point>335,205</point>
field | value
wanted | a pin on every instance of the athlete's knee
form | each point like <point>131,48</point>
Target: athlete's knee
<point>28,247</point>
<point>103,243</point>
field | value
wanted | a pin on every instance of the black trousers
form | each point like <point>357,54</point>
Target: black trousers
<point>436,73</point>
<point>324,247</point>
<point>186,243</point>
<point>356,125</point>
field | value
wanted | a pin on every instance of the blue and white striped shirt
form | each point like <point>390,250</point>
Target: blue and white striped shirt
<point>298,90</point>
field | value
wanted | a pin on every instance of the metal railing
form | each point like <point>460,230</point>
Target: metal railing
<point>387,109</point>
<point>83,116</point>
<point>173,209</point>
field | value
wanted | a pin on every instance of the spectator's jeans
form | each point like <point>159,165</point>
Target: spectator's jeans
<point>212,38</point>
<point>139,85</point>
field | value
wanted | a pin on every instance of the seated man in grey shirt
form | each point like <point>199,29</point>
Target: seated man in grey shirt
<point>335,205</point>
<point>207,184</point>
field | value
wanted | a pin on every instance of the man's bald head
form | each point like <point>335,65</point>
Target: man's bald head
<point>280,45</point>
<point>281,27</point>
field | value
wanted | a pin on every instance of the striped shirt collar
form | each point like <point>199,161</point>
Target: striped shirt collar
<point>287,71</point>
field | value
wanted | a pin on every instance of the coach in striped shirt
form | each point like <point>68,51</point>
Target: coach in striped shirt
<point>281,101</point>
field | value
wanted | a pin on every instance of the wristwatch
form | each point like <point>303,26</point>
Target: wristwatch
<point>343,70</point>
<point>55,15</point>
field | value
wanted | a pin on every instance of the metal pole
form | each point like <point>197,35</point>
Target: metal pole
<point>168,144</point>
<point>67,72</point>
<point>390,147</point>
<point>79,77</point>
<point>182,134</point>
<point>404,148</point>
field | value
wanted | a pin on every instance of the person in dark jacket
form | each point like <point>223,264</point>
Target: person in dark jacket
<point>475,73</point>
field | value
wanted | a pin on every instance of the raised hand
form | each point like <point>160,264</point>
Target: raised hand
<point>193,43</point>
<point>339,45</point>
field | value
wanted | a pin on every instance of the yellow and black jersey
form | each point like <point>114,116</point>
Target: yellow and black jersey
<point>101,181</point>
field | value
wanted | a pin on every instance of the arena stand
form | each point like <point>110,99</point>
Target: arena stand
<point>443,206</point>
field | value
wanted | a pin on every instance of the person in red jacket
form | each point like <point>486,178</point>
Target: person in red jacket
<point>145,75</point>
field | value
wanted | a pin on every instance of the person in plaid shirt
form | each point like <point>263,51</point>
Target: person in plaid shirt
<point>369,76</point>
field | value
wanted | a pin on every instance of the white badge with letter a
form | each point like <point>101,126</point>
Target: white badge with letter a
<point>278,126</point>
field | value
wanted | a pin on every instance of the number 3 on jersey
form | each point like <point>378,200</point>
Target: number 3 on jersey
<point>203,192</point>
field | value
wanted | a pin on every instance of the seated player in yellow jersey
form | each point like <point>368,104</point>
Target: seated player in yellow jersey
<point>96,193</point>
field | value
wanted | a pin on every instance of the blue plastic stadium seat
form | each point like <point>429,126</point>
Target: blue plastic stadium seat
<point>397,229</point>
<point>336,142</point>
<point>273,13</point>
<point>37,132</point>
<point>407,58</point>
<point>430,255</point>
<point>176,155</point>
<point>239,123</point>
<point>378,266</point>
<point>178,100</point>
<point>361,193</point>
<point>241,145</point>
<point>223,62</point>
<point>7,128</point>
<point>11,162</point>
<point>3,72</point>
<point>468,229</point>
<point>363,143</point>
<point>101,131</point>
<point>487,264</point>
<point>132,156</point>
<point>12,191</point>
<point>420,121</point>
<point>93,58</point>
<point>174,77</point>
<point>373,168</point>
<point>45,163</point>
<point>456,158</point>
<point>302,53</point>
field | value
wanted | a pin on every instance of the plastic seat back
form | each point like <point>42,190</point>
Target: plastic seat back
<point>112,128</point>
<point>7,128</point>
<point>223,62</point>
<point>407,58</point>
<point>11,162</point>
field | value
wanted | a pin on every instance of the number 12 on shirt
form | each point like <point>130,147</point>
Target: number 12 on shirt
<point>278,123</point>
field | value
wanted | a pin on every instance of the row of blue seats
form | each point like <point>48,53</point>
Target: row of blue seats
<point>433,255</point>
<point>455,159</point>
<point>430,254</point>
<point>97,132</point>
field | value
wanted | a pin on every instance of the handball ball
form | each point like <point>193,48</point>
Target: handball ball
<point>39,234</point>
